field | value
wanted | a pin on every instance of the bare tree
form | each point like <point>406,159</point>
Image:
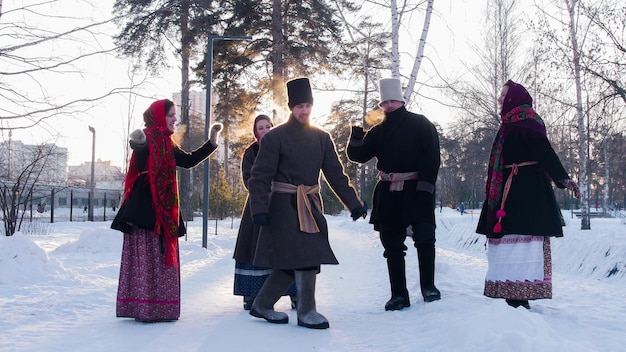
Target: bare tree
<point>365,45</point>
<point>580,116</point>
<point>34,59</point>
<point>16,192</point>
<point>465,149</point>
<point>609,64</point>
<point>581,73</point>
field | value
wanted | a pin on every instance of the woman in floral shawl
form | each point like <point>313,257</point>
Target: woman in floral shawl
<point>149,217</point>
<point>520,212</point>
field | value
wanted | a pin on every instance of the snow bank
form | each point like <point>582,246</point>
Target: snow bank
<point>23,261</point>
<point>599,253</point>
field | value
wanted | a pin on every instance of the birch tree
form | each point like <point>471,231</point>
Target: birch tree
<point>580,117</point>
<point>417,62</point>
<point>582,59</point>
<point>396,20</point>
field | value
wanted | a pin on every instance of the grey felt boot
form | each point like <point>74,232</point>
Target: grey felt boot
<point>307,313</point>
<point>274,287</point>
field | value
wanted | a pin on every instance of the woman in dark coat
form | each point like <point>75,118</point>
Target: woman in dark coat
<point>520,212</point>
<point>250,278</point>
<point>149,217</point>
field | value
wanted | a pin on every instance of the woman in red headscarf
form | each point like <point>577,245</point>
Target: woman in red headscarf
<point>520,212</point>
<point>149,217</point>
<point>250,278</point>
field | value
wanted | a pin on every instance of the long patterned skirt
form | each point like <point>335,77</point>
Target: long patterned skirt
<point>519,267</point>
<point>250,278</point>
<point>148,290</point>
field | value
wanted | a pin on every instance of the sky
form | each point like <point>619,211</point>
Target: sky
<point>453,27</point>
<point>58,285</point>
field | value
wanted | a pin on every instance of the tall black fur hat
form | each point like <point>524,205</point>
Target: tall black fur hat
<point>299,91</point>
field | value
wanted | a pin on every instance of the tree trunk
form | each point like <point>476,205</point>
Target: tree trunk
<point>606,149</point>
<point>184,174</point>
<point>395,27</point>
<point>420,53</point>
<point>278,65</point>
<point>583,150</point>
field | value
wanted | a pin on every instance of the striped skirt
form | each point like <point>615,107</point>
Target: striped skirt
<point>148,290</point>
<point>519,267</point>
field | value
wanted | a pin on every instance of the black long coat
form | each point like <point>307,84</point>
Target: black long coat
<point>403,142</point>
<point>248,234</point>
<point>295,153</point>
<point>531,207</point>
<point>138,211</point>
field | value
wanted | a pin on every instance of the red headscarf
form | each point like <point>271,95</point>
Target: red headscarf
<point>162,178</point>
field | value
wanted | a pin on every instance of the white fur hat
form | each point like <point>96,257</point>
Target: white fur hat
<point>390,89</point>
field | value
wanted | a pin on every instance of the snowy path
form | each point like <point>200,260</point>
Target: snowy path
<point>74,309</point>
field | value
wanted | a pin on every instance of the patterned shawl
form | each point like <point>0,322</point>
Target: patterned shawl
<point>517,112</point>
<point>162,178</point>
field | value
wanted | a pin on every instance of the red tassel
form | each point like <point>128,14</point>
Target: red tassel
<point>500,213</point>
<point>497,228</point>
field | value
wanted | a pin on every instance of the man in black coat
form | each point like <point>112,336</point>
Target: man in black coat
<point>406,146</point>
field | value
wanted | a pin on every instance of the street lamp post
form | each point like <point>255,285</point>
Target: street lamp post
<point>93,169</point>
<point>207,123</point>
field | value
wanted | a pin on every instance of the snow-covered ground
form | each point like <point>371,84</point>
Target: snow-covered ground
<point>58,288</point>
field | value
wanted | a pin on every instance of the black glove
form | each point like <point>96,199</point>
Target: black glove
<point>357,133</point>
<point>359,212</point>
<point>261,219</point>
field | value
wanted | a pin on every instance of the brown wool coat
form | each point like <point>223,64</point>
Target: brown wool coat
<point>296,154</point>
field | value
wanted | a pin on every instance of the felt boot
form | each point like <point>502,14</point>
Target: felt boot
<point>247,302</point>
<point>518,303</point>
<point>307,312</point>
<point>294,301</point>
<point>274,287</point>
<point>397,280</point>
<point>426,259</point>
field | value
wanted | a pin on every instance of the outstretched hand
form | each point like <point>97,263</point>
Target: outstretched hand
<point>357,133</point>
<point>359,212</point>
<point>138,137</point>
<point>573,187</point>
<point>215,132</point>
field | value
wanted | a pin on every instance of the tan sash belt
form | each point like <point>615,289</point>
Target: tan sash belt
<point>305,215</point>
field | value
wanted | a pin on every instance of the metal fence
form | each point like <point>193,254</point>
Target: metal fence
<point>70,204</point>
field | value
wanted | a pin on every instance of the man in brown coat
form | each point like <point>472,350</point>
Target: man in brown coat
<point>285,202</point>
